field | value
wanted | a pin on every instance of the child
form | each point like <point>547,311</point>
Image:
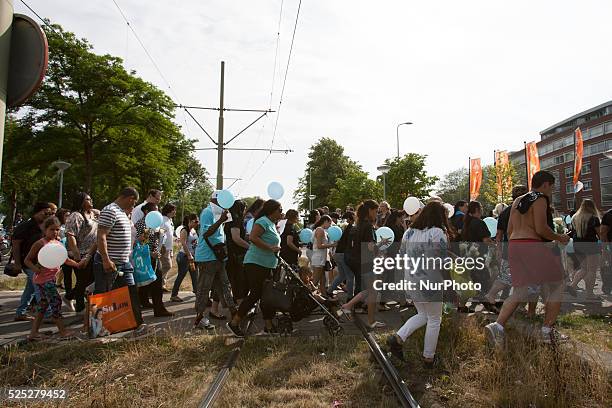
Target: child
<point>45,288</point>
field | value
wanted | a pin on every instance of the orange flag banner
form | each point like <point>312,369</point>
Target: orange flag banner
<point>533,161</point>
<point>578,154</point>
<point>504,180</point>
<point>475,178</point>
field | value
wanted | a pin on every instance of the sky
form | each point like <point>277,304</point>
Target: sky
<point>473,76</point>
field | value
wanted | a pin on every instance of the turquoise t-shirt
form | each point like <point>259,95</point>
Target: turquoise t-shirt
<point>203,252</point>
<point>270,236</point>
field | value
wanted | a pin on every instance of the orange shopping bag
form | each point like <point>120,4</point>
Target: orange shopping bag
<point>111,312</point>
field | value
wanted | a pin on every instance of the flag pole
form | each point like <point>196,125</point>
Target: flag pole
<point>469,179</point>
<point>526,165</point>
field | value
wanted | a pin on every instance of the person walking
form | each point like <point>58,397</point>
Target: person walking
<point>345,273</point>
<point>152,238</point>
<point>585,224</point>
<point>154,196</point>
<point>259,262</point>
<point>237,247</point>
<point>24,236</point>
<point>167,249</point>
<point>428,237</point>
<point>210,257</point>
<point>111,264</point>
<point>605,234</point>
<point>461,208</point>
<point>185,261</point>
<point>290,240</point>
<point>320,252</point>
<point>81,235</point>
<point>532,259</point>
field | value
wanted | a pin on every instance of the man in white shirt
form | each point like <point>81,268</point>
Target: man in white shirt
<point>169,212</point>
<point>154,197</point>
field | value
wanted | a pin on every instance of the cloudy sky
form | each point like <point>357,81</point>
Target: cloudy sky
<point>473,75</point>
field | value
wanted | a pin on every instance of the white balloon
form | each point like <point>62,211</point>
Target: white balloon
<point>412,205</point>
<point>450,209</point>
<point>579,186</point>
<point>52,256</point>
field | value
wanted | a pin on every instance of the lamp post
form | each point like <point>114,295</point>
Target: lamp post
<point>62,166</point>
<point>384,169</point>
<point>397,135</point>
<point>311,197</point>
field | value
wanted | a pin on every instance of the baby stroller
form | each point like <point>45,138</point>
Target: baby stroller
<point>289,295</point>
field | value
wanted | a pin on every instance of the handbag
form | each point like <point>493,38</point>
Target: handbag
<point>220,250</point>
<point>111,312</point>
<point>273,296</point>
<point>144,273</point>
<point>9,268</point>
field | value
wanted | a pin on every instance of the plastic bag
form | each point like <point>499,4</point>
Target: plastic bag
<point>144,273</point>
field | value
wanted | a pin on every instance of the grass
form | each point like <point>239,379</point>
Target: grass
<point>174,370</point>
<point>593,330</point>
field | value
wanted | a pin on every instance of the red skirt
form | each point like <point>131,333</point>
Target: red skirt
<point>533,263</point>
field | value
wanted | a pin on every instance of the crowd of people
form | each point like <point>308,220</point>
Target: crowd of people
<point>231,253</point>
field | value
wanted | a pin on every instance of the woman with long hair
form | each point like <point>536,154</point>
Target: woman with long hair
<point>585,224</point>
<point>81,237</point>
<point>259,262</point>
<point>427,236</point>
<point>188,239</point>
<point>252,211</point>
<point>290,240</point>
<point>320,252</point>
<point>237,247</point>
<point>361,260</point>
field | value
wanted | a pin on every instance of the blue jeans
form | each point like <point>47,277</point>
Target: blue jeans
<point>344,273</point>
<point>182,262</point>
<point>105,282</point>
<point>28,293</point>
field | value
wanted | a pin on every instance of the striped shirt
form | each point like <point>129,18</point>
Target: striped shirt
<point>119,238</point>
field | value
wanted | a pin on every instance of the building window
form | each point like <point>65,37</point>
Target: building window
<point>605,181</point>
<point>569,172</point>
<point>608,127</point>
<point>588,185</point>
<point>570,204</point>
<point>556,200</point>
<point>586,168</point>
<point>569,188</point>
<point>596,131</point>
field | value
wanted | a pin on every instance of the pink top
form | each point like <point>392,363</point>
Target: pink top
<point>46,274</point>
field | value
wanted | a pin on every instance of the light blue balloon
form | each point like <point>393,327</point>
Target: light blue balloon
<point>225,198</point>
<point>275,190</point>
<point>385,233</point>
<point>492,225</point>
<point>306,235</point>
<point>334,233</point>
<point>249,225</point>
<point>568,219</point>
<point>154,220</point>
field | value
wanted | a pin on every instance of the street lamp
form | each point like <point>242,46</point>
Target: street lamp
<point>62,166</point>
<point>311,197</point>
<point>384,169</point>
<point>397,135</point>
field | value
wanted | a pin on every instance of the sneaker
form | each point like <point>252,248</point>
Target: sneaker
<point>235,329</point>
<point>204,324</point>
<point>69,304</point>
<point>552,336</point>
<point>395,347</point>
<point>495,335</point>
<point>175,299</point>
<point>377,325</point>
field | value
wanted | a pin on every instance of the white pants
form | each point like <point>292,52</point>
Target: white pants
<point>430,314</point>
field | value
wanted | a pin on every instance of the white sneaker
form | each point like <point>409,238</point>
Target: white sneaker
<point>552,336</point>
<point>205,324</point>
<point>495,335</point>
<point>69,304</point>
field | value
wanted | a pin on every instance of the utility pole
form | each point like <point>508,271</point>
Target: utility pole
<point>220,135</point>
<point>220,142</point>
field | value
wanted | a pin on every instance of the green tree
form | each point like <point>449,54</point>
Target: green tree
<point>353,188</point>
<point>327,163</point>
<point>407,177</point>
<point>454,186</point>
<point>490,191</point>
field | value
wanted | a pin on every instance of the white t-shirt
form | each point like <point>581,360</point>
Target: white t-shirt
<point>137,213</point>
<point>168,239</point>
